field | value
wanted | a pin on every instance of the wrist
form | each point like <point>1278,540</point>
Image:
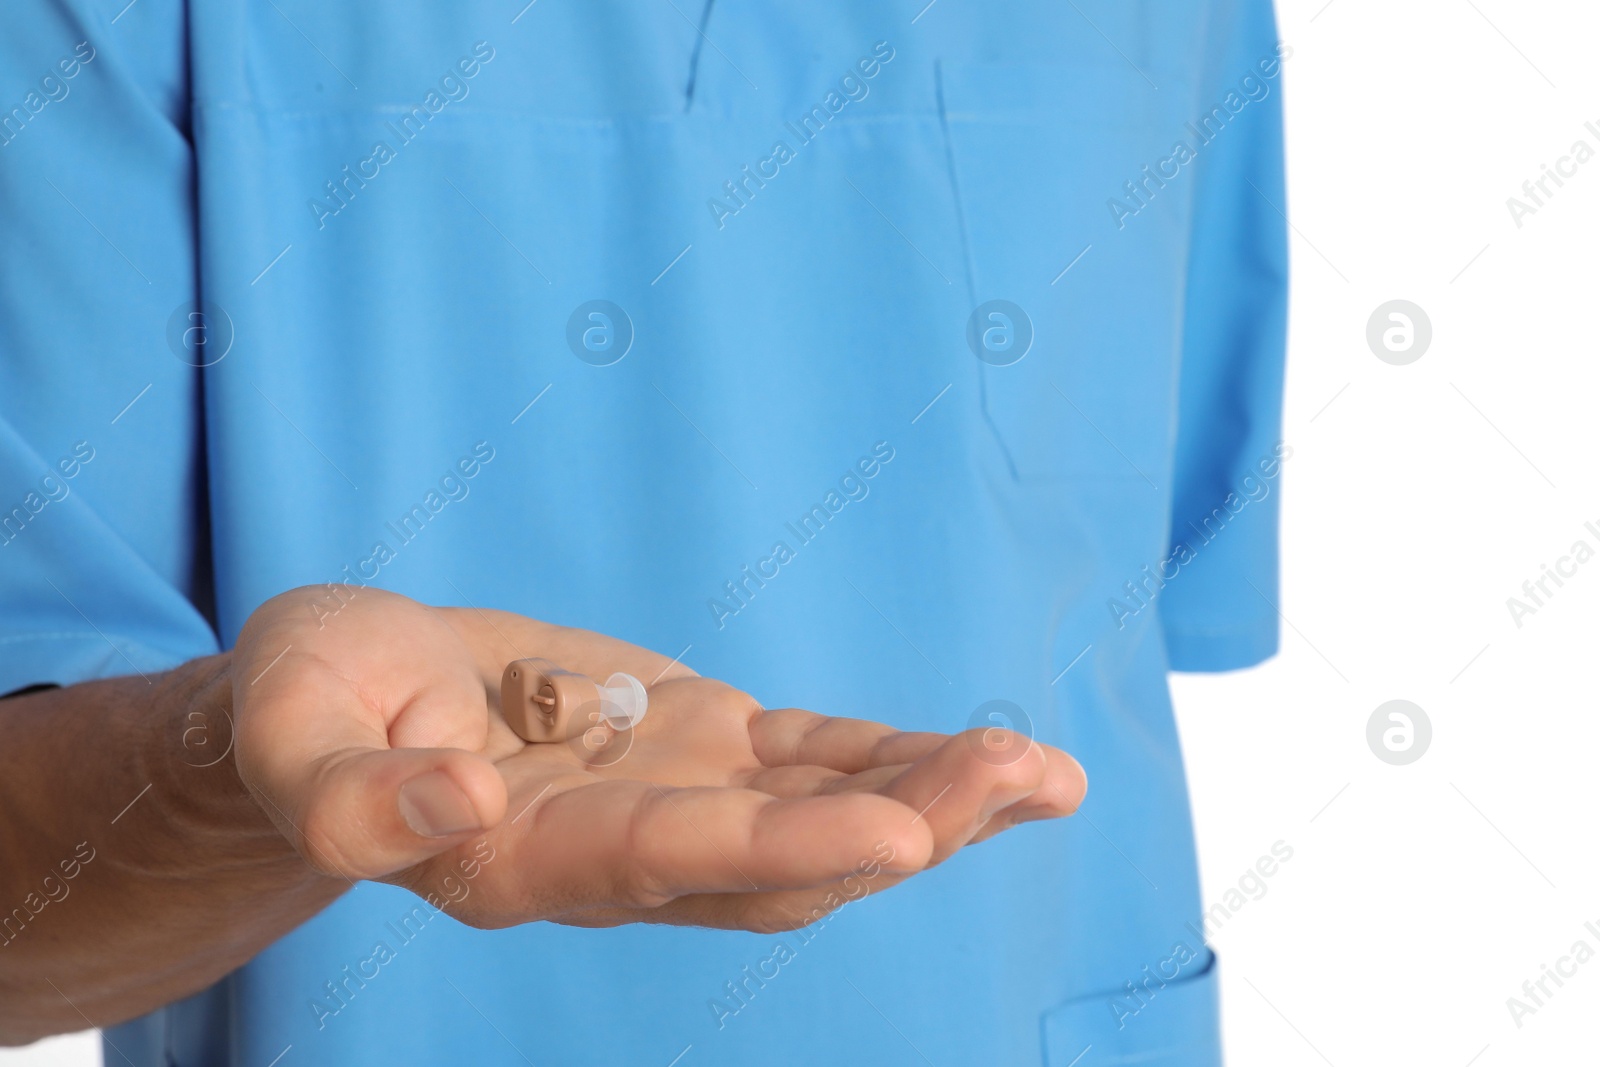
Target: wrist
<point>185,739</point>
<point>127,787</point>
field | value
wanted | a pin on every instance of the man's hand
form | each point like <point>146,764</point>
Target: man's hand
<point>155,849</point>
<point>368,728</point>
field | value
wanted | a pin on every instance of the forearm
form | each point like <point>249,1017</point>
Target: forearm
<point>135,868</point>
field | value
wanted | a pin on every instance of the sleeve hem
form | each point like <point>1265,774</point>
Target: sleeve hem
<point>1214,649</point>
<point>66,657</point>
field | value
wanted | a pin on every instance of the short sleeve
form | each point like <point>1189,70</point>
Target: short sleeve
<point>1219,610</point>
<point>103,555</point>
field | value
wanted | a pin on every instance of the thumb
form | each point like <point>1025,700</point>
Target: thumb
<point>366,813</point>
<point>360,740</point>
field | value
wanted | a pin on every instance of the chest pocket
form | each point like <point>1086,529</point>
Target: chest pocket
<point>1075,212</point>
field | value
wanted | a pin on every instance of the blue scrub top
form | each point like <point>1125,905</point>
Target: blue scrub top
<point>883,361</point>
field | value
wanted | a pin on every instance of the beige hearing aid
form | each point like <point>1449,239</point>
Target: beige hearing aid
<point>541,701</point>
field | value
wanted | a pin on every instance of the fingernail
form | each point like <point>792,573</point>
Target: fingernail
<point>434,806</point>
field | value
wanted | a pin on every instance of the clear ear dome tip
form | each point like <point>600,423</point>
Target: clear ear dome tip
<point>627,695</point>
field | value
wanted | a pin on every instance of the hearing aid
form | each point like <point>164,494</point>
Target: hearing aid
<point>540,700</point>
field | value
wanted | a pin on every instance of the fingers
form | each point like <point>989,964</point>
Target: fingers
<point>775,911</point>
<point>966,781</point>
<point>738,859</point>
<point>787,736</point>
<point>782,910</point>
<point>808,754</point>
<point>639,845</point>
<point>1060,793</point>
<point>820,781</point>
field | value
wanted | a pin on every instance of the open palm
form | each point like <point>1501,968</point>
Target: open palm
<point>369,729</point>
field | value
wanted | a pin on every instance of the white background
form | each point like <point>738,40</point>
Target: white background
<point>1418,500</point>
